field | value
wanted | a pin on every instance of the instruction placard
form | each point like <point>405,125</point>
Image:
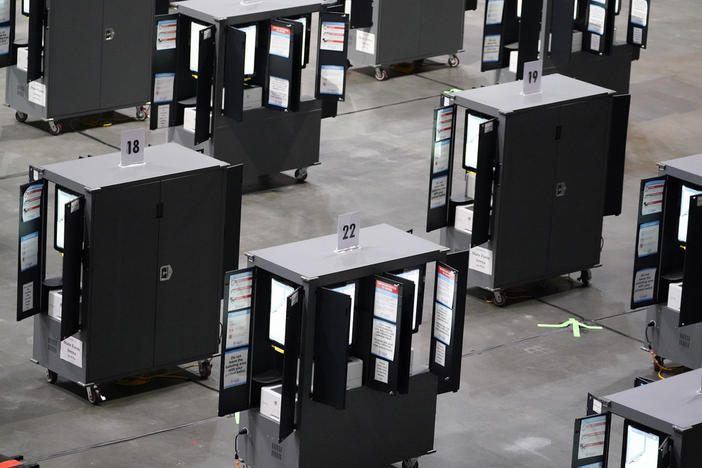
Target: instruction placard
<point>652,200</point>
<point>644,285</point>
<point>31,202</point>
<point>443,322</point>
<point>386,301</point>
<point>440,354</point>
<point>439,190</point>
<point>382,370</point>
<point>331,80</point>
<point>72,351</point>
<point>383,339</point>
<point>235,366</point>
<point>333,34</point>
<point>365,42</point>
<point>493,14</point>
<point>240,291</point>
<point>280,41</point>
<point>238,328</point>
<point>445,285</point>
<point>29,251</point>
<point>278,92</point>
<point>648,239</point>
<point>491,48</point>
<point>480,260</point>
<point>166,32</point>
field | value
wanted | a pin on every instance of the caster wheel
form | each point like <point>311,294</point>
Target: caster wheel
<point>411,463</point>
<point>141,114</point>
<point>658,363</point>
<point>93,394</point>
<point>204,369</point>
<point>585,277</point>
<point>55,128</point>
<point>301,174</point>
<point>454,61</point>
<point>499,298</point>
<point>21,116</point>
<point>381,74</point>
<point>51,376</point>
<point>418,64</point>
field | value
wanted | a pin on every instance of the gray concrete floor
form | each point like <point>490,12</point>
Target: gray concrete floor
<point>522,386</point>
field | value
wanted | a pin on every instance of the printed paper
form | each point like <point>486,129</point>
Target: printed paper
<point>480,260</point>
<point>280,41</point>
<point>445,285</point>
<point>333,36</point>
<point>595,42</point>
<point>5,11</point>
<point>648,239</point>
<point>163,116</point>
<point>494,12</point>
<point>4,40</point>
<point>491,48</point>
<point>278,92</point>
<point>72,351</point>
<point>444,124</point>
<point>36,93</point>
<point>166,32</point>
<point>443,320</point>
<point>238,329</point>
<point>596,20</point>
<point>235,364</point>
<point>442,153</point>
<point>29,251</point>
<point>652,199</point>
<point>644,285</point>
<point>27,296</point>
<point>440,354</point>
<point>639,12</point>
<point>22,58</point>
<point>163,87</point>
<point>439,187</point>
<point>637,35</point>
<point>386,301</point>
<point>240,291</point>
<point>383,339</point>
<point>382,371</point>
<point>31,203</point>
<point>331,80</point>
<point>593,432</point>
<point>365,42</point>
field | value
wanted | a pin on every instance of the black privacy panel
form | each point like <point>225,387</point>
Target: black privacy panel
<point>441,168</point>
<point>37,18</point>
<point>164,62</point>
<point>292,352</point>
<point>617,154</point>
<point>31,248</point>
<point>72,265</point>
<point>284,65</point>
<point>234,73</point>
<point>637,32</point>
<point>332,60</point>
<point>205,74</point>
<point>7,30</point>
<point>691,305</point>
<point>562,31</point>
<point>485,176</point>
<point>361,13</point>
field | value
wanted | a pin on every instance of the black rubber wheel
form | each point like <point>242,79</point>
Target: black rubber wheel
<point>141,114</point>
<point>204,369</point>
<point>658,363</point>
<point>55,128</point>
<point>51,376</point>
<point>21,116</point>
<point>585,277</point>
<point>454,61</point>
<point>301,174</point>
<point>418,64</point>
<point>93,394</point>
<point>499,298</point>
<point>411,463</point>
<point>381,74</point>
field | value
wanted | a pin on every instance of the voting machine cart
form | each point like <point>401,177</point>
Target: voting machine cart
<point>142,248</point>
<point>227,81</point>
<point>387,32</point>
<point>540,171</point>
<point>662,425</point>
<point>667,277</point>
<point>81,57</point>
<point>580,44</point>
<point>318,350</point>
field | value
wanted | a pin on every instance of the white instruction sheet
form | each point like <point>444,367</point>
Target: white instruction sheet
<point>166,32</point>
<point>494,12</point>
<point>72,351</point>
<point>235,363</point>
<point>439,186</point>
<point>331,80</point>
<point>639,12</point>
<point>652,199</point>
<point>648,239</point>
<point>445,285</point>
<point>382,370</point>
<point>383,339</point>
<point>29,251</point>
<point>31,202</point>
<point>238,328</point>
<point>644,285</point>
<point>278,92</point>
<point>491,48</point>
<point>480,260</point>
<point>333,36</point>
<point>163,87</point>
<point>386,301</point>
<point>280,41</point>
<point>240,291</point>
<point>443,320</point>
<point>440,354</point>
<point>365,42</point>
<point>596,20</point>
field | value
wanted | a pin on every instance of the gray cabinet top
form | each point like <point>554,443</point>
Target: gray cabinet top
<point>244,10</point>
<point>688,168</point>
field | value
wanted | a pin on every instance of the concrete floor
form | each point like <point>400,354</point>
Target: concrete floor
<point>522,386</point>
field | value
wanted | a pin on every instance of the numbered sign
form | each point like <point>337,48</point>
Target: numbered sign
<point>348,231</point>
<point>133,145</point>
<point>532,76</point>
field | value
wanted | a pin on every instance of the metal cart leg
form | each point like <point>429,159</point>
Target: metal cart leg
<point>585,277</point>
<point>301,174</point>
<point>204,368</point>
<point>21,116</point>
<point>51,376</point>
<point>55,128</point>
<point>499,298</point>
<point>141,113</point>
<point>454,61</point>
<point>381,74</point>
<point>410,463</point>
<point>93,394</point>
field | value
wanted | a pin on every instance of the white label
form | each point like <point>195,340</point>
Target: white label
<point>4,40</point>
<point>235,363</point>
<point>593,433</point>
<point>382,370</point>
<point>348,230</point>
<point>494,12</point>
<point>445,285</point>
<point>27,296</point>
<point>440,354</point>
<point>166,32</point>
<point>280,41</point>
<point>596,21</point>
<point>31,202</point>
<point>532,76</point>
<point>444,124</point>
<point>597,406</point>
<point>163,117</point>
<point>22,58</point>
<point>639,12</point>
<point>383,339</point>
<point>133,146</point>
<point>163,87</point>
<point>386,300</point>
<point>333,36</point>
<point>238,329</point>
<point>439,187</point>
<point>278,92</point>
<point>331,80</point>
<point>36,93</point>
<point>652,199</point>
<point>464,219</point>
<point>637,35</point>
<point>443,321</point>
<point>491,48</point>
<point>595,42</point>
<point>29,251</point>
<point>365,42</point>
<point>480,260</point>
<point>648,239</point>
<point>442,151</point>
<point>240,291</point>
<point>644,285</point>
<point>72,351</point>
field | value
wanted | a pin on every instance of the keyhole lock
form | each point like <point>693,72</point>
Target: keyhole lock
<point>109,34</point>
<point>561,189</point>
<point>165,273</point>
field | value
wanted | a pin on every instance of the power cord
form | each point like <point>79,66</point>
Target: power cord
<point>242,431</point>
<point>649,325</point>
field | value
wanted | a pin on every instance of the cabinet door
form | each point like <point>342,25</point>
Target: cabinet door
<point>441,26</point>
<point>579,188</point>
<point>127,40</point>
<point>189,261</point>
<point>72,56</point>
<point>398,25</point>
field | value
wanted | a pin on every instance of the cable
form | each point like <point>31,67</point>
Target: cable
<point>242,431</point>
<point>651,324</point>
